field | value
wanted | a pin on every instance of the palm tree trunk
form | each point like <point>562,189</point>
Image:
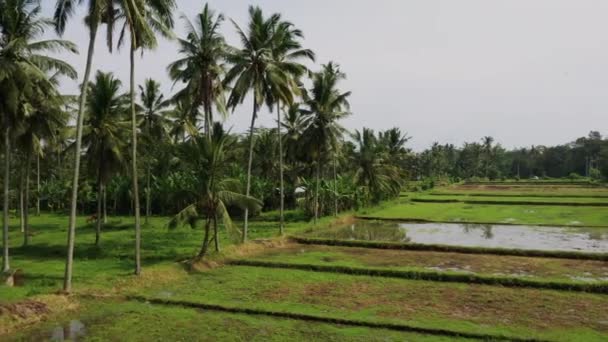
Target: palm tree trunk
<point>26,200</point>
<point>148,175</point>
<point>148,194</point>
<point>318,176</point>
<point>217,235</point>
<point>21,220</point>
<point>248,189</point>
<point>67,281</point>
<point>134,164</point>
<point>7,172</point>
<point>99,218</point>
<point>205,245</point>
<point>335,188</point>
<point>105,206</point>
<point>37,184</point>
<point>281,186</point>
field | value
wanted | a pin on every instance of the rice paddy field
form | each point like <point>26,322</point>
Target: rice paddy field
<point>433,266</point>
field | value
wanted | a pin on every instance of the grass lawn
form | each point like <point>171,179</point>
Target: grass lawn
<point>481,309</point>
<point>564,270</point>
<point>520,214</point>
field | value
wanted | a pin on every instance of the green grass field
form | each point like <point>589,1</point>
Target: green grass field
<point>519,214</point>
<point>262,298</point>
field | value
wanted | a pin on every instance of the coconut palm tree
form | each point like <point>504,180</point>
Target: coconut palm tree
<point>183,121</point>
<point>374,168</point>
<point>23,68</point>
<point>214,192</point>
<point>154,123</point>
<point>142,19</point>
<point>201,66</point>
<point>45,119</point>
<point>327,105</point>
<point>254,69</point>
<point>98,11</point>
<point>287,51</point>
<point>104,134</point>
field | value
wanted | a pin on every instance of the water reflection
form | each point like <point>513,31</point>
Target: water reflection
<point>370,231</point>
<point>72,331</point>
<point>480,235</point>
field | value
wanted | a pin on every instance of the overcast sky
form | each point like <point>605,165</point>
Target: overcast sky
<point>524,71</point>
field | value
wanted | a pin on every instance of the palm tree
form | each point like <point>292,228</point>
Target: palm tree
<point>183,121</point>
<point>214,193</point>
<point>327,105</point>
<point>43,122</point>
<point>142,18</point>
<point>374,168</point>
<point>201,66</point>
<point>255,69</point>
<point>286,51</point>
<point>97,11</point>
<point>104,134</point>
<point>154,123</point>
<point>23,75</point>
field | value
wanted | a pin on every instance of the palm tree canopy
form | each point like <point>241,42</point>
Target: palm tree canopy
<point>106,125</point>
<point>201,65</point>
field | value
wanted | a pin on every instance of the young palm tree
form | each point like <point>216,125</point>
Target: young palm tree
<point>154,124</point>
<point>287,51</point>
<point>97,11</point>
<point>255,70</point>
<point>214,193</point>
<point>201,66</point>
<point>327,106</point>
<point>22,76</point>
<point>142,19</point>
<point>104,134</point>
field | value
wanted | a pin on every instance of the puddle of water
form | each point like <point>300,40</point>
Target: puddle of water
<point>475,235</point>
<point>75,330</point>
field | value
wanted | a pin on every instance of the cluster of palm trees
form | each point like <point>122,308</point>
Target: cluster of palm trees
<point>212,171</point>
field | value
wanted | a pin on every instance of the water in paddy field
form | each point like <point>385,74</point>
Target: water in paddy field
<point>72,331</point>
<point>484,235</point>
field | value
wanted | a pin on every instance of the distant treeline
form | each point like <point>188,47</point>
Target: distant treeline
<point>584,157</point>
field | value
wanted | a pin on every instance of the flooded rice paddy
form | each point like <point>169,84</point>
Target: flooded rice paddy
<point>476,235</point>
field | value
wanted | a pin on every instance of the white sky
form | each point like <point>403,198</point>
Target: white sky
<point>524,71</point>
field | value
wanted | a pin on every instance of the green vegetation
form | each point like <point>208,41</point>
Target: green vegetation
<point>456,307</point>
<point>211,259</point>
<point>112,320</point>
<point>562,270</point>
<point>519,214</point>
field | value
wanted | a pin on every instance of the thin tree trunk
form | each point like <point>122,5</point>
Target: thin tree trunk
<point>98,217</point>
<point>205,245</point>
<point>67,281</point>
<point>148,194</point>
<point>134,164</point>
<point>148,175</point>
<point>335,188</point>
<point>281,186</point>
<point>26,200</point>
<point>105,206</point>
<point>248,189</point>
<point>37,184</point>
<point>7,172</point>
<point>317,191</point>
<point>21,219</point>
<point>217,235</point>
